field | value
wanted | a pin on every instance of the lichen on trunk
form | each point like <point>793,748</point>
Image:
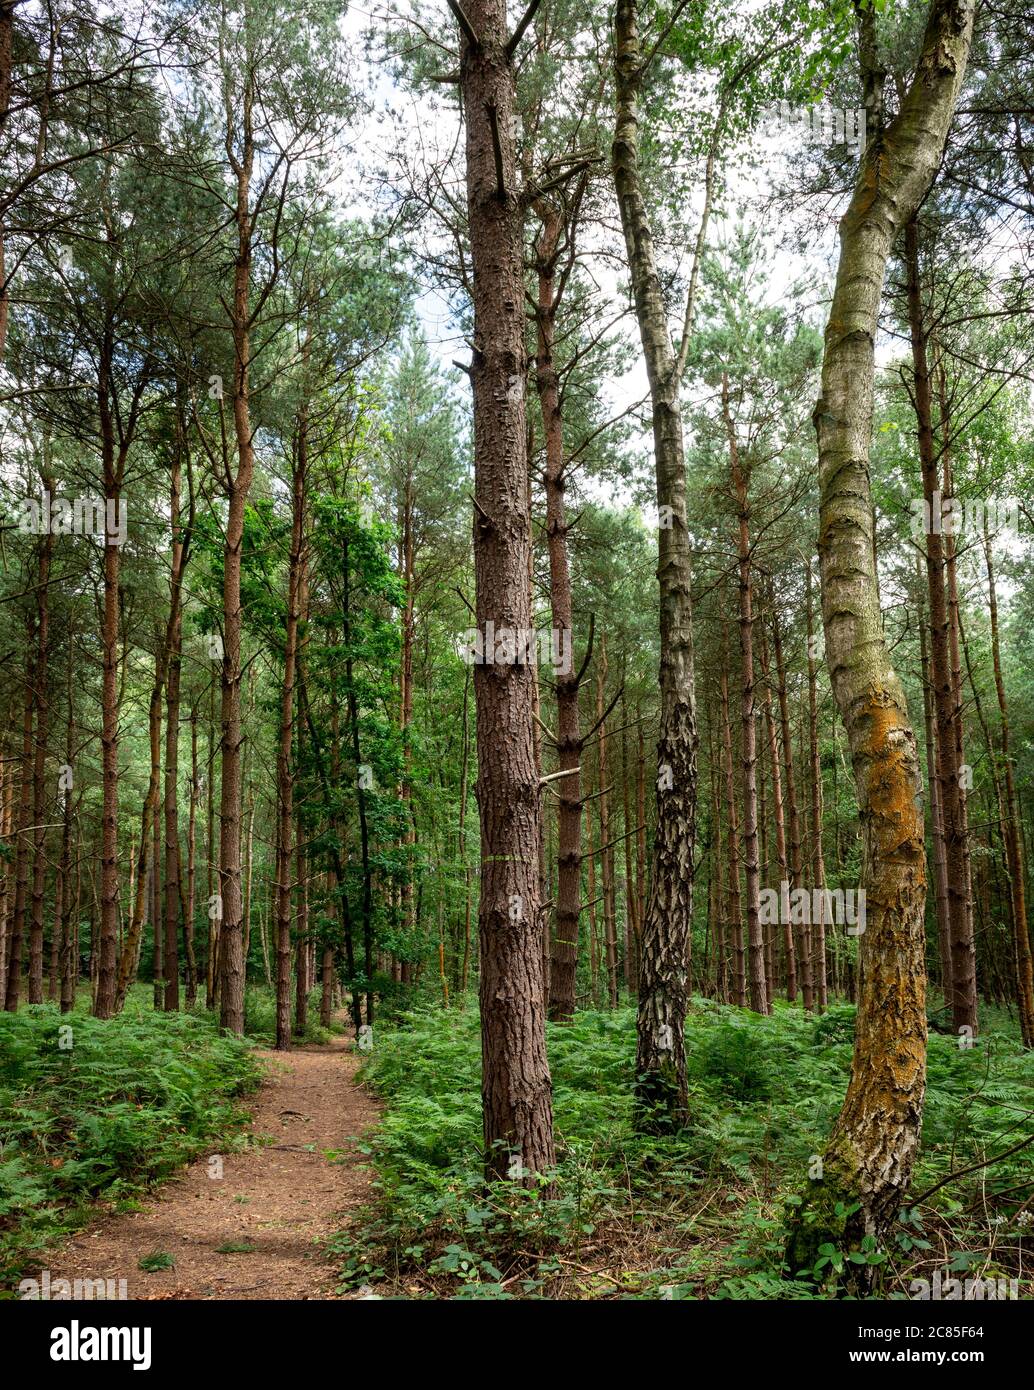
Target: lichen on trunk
<point>868,1161</point>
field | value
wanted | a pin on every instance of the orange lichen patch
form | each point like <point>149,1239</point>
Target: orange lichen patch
<point>891,779</point>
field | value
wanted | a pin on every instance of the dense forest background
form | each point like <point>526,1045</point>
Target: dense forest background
<point>328,338</point>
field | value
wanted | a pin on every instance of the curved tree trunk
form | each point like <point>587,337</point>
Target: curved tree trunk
<point>869,1157</point>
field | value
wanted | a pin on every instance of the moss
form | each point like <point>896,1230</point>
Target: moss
<point>661,1101</point>
<point>829,1213</point>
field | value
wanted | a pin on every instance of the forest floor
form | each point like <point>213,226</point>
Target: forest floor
<point>255,1231</point>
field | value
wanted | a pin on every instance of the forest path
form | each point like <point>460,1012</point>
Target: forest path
<point>279,1195</point>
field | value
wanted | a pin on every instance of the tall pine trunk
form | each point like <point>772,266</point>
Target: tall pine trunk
<point>818,862</point>
<point>564,954</point>
<point>231,961</point>
<point>516,1087</point>
<point>748,721</point>
<point>284,763</point>
<point>663,978</point>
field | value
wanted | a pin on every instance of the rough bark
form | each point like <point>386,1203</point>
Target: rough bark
<point>660,1048</point>
<point>516,1086</point>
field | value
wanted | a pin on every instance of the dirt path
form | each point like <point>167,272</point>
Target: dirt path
<point>279,1196</point>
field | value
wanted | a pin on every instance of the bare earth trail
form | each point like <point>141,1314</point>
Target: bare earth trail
<point>280,1196</point>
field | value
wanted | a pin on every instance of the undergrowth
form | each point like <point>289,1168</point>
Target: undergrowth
<point>260,1018</point>
<point>701,1215</point>
<point>95,1109</point>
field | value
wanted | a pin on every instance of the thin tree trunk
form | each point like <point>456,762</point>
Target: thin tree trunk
<point>963,968</point>
<point>406,564</point>
<point>940,866</point>
<point>1013,848</point>
<point>139,899</point>
<point>818,862</point>
<point>462,835</point>
<point>606,854</point>
<point>232,965</point>
<point>113,463</point>
<point>748,721</point>
<point>364,825</point>
<point>733,920</point>
<point>41,680</point>
<point>154,897</point>
<point>564,959</point>
<point>660,1050</point>
<point>22,830</point>
<point>631,924</point>
<point>796,858</point>
<point>958,734</point>
<point>7,782</point>
<point>188,918</point>
<point>212,959</point>
<point>284,766</point>
<point>66,921</point>
<point>173,886</point>
<point>789,955</point>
